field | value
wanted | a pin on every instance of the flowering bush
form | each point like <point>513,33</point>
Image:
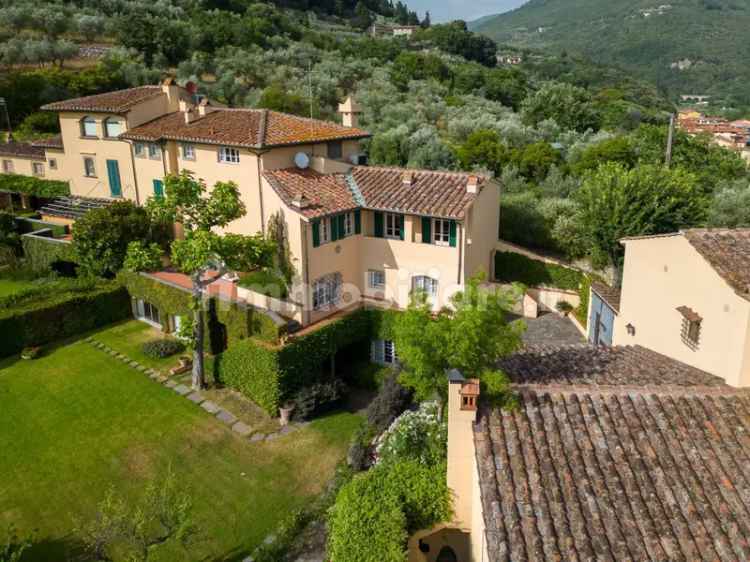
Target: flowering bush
<point>417,435</point>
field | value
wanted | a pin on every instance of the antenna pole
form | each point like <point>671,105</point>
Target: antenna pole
<point>670,141</point>
<point>309,85</point>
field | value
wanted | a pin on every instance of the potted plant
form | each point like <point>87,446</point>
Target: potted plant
<point>564,307</point>
<point>31,352</point>
<point>285,412</point>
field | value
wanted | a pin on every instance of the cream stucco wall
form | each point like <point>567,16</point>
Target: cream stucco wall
<point>22,165</point>
<point>482,232</point>
<point>662,274</point>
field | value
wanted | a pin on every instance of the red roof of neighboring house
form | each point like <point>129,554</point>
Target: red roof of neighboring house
<point>119,101</point>
<point>21,150</point>
<point>54,142</point>
<point>252,128</point>
<point>323,194</point>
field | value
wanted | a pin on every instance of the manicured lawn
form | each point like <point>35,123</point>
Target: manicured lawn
<point>77,422</point>
<point>10,286</point>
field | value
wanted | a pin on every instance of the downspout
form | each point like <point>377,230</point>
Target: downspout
<point>135,173</point>
<point>260,192</point>
<point>305,275</point>
<point>460,250</point>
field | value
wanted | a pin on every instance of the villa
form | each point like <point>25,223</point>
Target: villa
<point>356,234</point>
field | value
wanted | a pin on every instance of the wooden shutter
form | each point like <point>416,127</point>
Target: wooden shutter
<point>357,222</point>
<point>378,224</point>
<point>342,227</point>
<point>453,234</point>
<point>335,232</point>
<point>316,233</point>
<point>401,225</point>
<point>158,188</point>
<point>427,230</point>
<point>113,171</point>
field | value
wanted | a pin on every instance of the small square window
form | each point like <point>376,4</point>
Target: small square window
<point>691,333</point>
<point>8,166</point>
<point>376,279</point>
<point>154,151</point>
<point>89,168</point>
<point>52,164</point>
<point>441,232</point>
<point>140,150</point>
<point>335,150</point>
<point>37,168</point>
<point>393,225</point>
<point>427,285</point>
<point>188,152</point>
<point>229,155</point>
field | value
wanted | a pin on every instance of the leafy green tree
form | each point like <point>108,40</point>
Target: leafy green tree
<point>617,149</point>
<point>143,257</point>
<point>470,335</point>
<point>203,254</point>
<point>483,149</point>
<point>616,202</point>
<point>508,86</point>
<point>410,66</point>
<point>455,38</point>
<point>536,159</point>
<point>730,205</point>
<point>362,16</point>
<point>101,236</point>
<point>277,98</point>
<point>569,106</point>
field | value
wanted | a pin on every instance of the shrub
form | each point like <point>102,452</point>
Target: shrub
<point>388,404</point>
<point>417,435</point>
<point>266,282</point>
<point>42,252</point>
<point>30,185</point>
<point>511,267</point>
<point>143,257</point>
<point>161,348</point>
<point>317,398</point>
<point>564,307</point>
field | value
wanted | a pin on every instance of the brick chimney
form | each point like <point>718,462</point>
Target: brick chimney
<point>204,107</point>
<point>472,184</point>
<point>188,111</point>
<point>463,396</point>
<point>300,201</point>
<point>350,111</point>
<point>407,178</point>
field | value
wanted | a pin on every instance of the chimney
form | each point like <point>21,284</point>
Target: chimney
<point>204,107</point>
<point>188,111</point>
<point>300,201</point>
<point>407,178</point>
<point>463,396</point>
<point>350,111</point>
<point>472,185</point>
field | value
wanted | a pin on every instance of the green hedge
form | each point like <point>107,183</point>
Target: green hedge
<point>511,267</point>
<point>30,185</point>
<point>41,252</point>
<point>58,310</point>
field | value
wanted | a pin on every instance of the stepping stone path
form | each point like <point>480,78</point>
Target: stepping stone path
<point>257,437</point>
<point>196,398</point>
<point>182,390</point>
<point>210,407</point>
<point>242,429</point>
<point>226,417</point>
<point>170,384</point>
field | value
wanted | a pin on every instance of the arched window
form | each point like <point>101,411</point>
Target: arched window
<point>88,126</point>
<point>447,555</point>
<point>112,127</point>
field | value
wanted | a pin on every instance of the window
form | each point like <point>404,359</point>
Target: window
<point>88,127</point>
<point>691,327</point>
<point>89,169</point>
<point>140,150</point>
<point>383,352</point>
<point>326,291</point>
<point>188,152</point>
<point>52,164</point>
<point>441,232</point>
<point>427,285</point>
<point>37,168</point>
<point>335,150</point>
<point>112,127</point>
<point>8,166</point>
<point>348,224</point>
<point>393,225</point>
<point>229,155</point>
<point>154,151</point>
<point>325,231</point>
<point>376,279</point>
<point>148,312</point>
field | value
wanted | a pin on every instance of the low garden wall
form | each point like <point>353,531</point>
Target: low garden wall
<point>58,310</point>
<point>41,249</point>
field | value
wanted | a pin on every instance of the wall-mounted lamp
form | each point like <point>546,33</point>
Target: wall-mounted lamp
<point>631,329</point>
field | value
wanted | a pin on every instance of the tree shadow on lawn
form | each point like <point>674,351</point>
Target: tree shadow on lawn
<point>56,550</point>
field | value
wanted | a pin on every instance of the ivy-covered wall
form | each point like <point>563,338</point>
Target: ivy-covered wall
<point>42,251</point>
<point>30,185</point>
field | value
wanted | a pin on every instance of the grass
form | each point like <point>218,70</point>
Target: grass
<point>77,422</point>
<point>12,286</point>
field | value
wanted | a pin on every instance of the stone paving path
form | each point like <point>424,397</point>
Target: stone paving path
<point>181,389</point>
<point>551,329</point>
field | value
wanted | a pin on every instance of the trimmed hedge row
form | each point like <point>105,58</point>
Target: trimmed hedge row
<point>42,251</point>
<point>30,185</point>
<point>59,310</point>
<point>511,267</point>
<point>269,374</point>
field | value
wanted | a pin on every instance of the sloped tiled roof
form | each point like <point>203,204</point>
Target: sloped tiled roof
<point>119,101</point>
<point>54,142</point>
<point>435,194</point>
<point>610,295</point>
<point>21,149</point>
<point>325,193</point>
<point>631,459</point>
<point>251,128</point>
<point>728,252</point>
<point>591,365</point>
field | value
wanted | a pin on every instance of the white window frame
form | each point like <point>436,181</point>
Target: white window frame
<point>229,155</point>
<point>53,163</point>
<point>139,149</point>
<point>110,121</point>
<point>146,312</point>
<point>324,230</point>
<point>326,291</point>
<point>86,168</point>
<point>8,166</point>
<point>441,232</point>
<point>154,151</point>
<point>376,279</point>
<point>348,224</point>
<point>392,224</point>
<point>383,352</point>
<point>426,284</point>
<point>188,151</point>
<point>37,169</point>
<point>88,127</point>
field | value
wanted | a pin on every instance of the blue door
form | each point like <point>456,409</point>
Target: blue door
<point>601,321</point>
<point>158,188</point>
<point>113,171</point>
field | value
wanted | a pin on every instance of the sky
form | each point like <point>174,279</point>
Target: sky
<point>446,10</point>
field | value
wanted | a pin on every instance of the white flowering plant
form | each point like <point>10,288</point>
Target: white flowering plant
<point>415,434</point>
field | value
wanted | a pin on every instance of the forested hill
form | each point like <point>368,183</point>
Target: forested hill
<point>684,46</point>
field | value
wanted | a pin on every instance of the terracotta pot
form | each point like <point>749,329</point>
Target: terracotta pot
<point>285,414</point>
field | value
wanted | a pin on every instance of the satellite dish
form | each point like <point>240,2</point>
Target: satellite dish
<point>302,160</point>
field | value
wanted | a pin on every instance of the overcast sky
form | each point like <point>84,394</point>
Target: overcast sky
<point>446,10</point>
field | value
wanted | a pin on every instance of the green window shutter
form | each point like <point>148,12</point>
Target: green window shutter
<point>378,224</point>
<point>335,234</point>
<point>113,171</point>
<point>453,234</point>
<point>357,222</point>
<point>342,229</point>
<point>158,188</point>
<point>401,225</point>
<point>316,233</point>
<point>427,230</point>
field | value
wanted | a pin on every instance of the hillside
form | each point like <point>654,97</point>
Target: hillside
<point>684,46</point>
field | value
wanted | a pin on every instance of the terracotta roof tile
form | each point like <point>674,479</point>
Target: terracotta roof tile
<point>728,252</point>
<point>55,142</point>
<point>252,128</point>
<point>610,295</point>
<point>119,101</point>
<point>21,149</point>
<point>325,194</point>
<point>623,472</point>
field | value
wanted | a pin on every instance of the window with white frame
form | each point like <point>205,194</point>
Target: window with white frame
<point>425,284</point>
<point>140,150</point>
<point>376,279</point>
<point>37,168</point>
<point>148,312</point>
<point>8,166</point>
<point>326,291</point>
<point>325,230</point>
<point>383,352</point>
<point>348,224</point>
<point>89,167</point>
<point>112,127</point>
<point>229,155</point>
<point>53,164</point>
<point>154,151</point>
<point>441,232</point>
<point>393,225</point>
<point>88,127</point>
<point>188,152</point>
